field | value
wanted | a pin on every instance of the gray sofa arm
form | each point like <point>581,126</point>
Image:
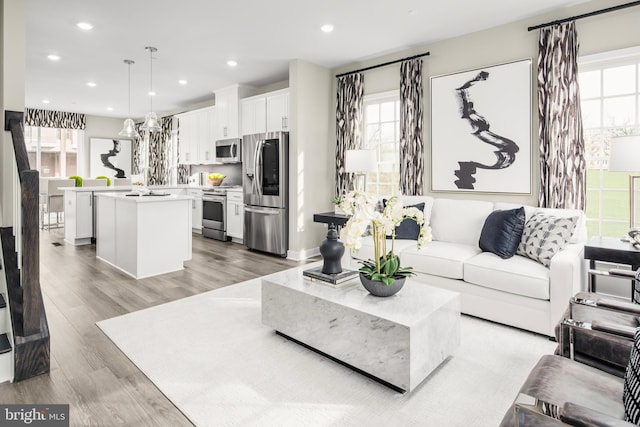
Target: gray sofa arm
<point>579,416</point>
<point>613,328</point>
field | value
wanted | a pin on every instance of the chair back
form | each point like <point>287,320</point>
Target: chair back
<point>119,182</point>
<point>90,182</point>
<point>54,185</point>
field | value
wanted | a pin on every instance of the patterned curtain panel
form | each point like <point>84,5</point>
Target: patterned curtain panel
<point>136,148</point>
<point>411,119</point>
<point>159,146</point>
<point>562,162</point>
<point>348,123</point>
<point>183,171</point>
<point>54,119</point>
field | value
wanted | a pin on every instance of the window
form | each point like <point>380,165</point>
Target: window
<point>609,92</point>
<point>382,133</point>
<point>52,151</point>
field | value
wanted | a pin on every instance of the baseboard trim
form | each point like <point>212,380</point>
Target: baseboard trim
<point>303,254</point>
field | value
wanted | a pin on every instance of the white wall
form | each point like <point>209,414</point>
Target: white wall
<point>311,159</point>
<point>12,69</point>
<point>498,45</point>
<point>97,127</point>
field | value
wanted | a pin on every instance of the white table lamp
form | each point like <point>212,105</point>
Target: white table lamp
<point>360,162</point>
<point>624,156</point>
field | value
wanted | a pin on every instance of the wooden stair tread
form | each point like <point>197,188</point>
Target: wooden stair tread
<point>5,345</point>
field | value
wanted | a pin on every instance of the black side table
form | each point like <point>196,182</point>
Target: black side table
<point>611,249</point>
<point>339,220</point>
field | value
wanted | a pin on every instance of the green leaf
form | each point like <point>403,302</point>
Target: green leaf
<point>392,265</point>
<point>388,280</point>
<point>376,276</point>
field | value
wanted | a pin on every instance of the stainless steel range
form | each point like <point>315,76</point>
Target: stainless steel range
<point>214,213</point>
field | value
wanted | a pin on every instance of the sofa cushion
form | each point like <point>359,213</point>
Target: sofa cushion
<point>516,275</point>
<point>502,231</point>
<point>459,221</point>
<point>544,236</point>
<point>442,259</point>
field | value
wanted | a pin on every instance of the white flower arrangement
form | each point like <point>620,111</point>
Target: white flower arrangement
<point>363,212</point>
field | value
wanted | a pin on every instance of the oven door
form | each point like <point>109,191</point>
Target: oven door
<point>214,212</point>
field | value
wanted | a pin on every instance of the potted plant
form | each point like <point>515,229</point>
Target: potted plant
<point>337,201</point>
<point>382,276</point>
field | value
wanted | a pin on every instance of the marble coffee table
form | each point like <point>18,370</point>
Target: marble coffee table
<point>397,340</point>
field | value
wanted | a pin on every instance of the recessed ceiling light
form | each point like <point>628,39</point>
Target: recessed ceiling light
<point>84,26</point>
<point>182,82</point>
<point>45,101</point>
<point>231,63</point>
<point>327,28</point>
<point>109,108</point>
<point>152,93</point>
<point>53,57</point>
<point>411,12</point>
<point>91,84</point>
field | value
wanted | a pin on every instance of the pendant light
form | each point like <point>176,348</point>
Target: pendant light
<point>151,123</point>
<point>129,129</point>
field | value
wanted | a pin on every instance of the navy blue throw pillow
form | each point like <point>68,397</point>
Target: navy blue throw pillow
<point>408,229</point>
<point>502,232</point>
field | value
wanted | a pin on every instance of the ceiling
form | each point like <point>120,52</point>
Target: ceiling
<point>195,38</point>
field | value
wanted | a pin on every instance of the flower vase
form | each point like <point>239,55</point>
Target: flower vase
<point>379,289</point>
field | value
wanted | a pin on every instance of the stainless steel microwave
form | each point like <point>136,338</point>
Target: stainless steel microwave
<point>229,150</point>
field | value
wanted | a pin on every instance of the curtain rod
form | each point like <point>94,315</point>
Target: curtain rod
<point>385,64</point>
<point>586,15</point>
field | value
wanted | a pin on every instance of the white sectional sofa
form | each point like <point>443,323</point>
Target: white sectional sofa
<point>517,291</point>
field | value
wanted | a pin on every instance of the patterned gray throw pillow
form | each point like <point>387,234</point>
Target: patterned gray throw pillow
<point>544,236</point>
<point>631,391</point>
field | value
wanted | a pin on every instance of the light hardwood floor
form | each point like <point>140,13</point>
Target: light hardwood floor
<point>101,385</point>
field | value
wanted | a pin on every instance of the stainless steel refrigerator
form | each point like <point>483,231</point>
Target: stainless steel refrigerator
<point>265,183</point>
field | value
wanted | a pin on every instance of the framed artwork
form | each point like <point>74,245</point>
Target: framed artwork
<point>110,157</point>
<point>481,130</point>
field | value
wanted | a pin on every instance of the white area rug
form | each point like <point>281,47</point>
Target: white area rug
<point>213,358</point>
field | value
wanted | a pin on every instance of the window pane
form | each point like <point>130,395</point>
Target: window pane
<point>590,113</point>
<point>620,111</point>
<point>387,111</point>
<point>589,82</point>
<point>372,113</point>
<point>387,132</point>
<point>619,80</point>
<point>372,136</point>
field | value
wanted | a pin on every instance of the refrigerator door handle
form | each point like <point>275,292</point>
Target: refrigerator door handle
<point>259,160</point>
<point>262,211</point>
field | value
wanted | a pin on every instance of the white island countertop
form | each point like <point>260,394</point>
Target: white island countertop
<point>135,188</point>
<point>153,197</point>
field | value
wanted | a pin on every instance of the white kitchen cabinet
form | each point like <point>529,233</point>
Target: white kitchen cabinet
<point>235,215</point>
<point>254,115</point>
<point>197,136</point>
<point>78,227</point>
<point>196,210</point>
<point>277,110</point>
<point>187,146</point>
<point>228,110</point>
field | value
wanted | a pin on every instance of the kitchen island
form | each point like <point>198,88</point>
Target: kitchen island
<point>143,235</point>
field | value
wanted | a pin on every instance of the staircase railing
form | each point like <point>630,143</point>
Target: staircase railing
<point>22,268</point>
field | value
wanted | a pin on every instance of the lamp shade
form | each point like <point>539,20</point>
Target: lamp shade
<point>625,154</point>
<point>151,123</point>
<point>360,161</point>
<point>129,129</point>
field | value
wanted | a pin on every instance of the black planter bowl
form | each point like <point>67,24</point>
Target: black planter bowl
<point>379,289</point>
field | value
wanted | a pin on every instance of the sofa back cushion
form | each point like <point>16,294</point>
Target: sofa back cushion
<point>579,233</point>
<point>459,221</point>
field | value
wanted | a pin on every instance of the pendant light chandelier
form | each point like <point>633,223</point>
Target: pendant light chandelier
<point>151,123</point>
<point>129,129</point>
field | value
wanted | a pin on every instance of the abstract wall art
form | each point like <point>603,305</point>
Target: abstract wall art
<point>110,157</point>
<point>481,130</point>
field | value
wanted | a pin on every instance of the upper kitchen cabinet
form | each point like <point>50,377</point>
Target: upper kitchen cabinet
<point>197,135</point>
<point>228,110</point>
<point>268,112</point>
<point>278,111</point>
<point>254,115</point>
